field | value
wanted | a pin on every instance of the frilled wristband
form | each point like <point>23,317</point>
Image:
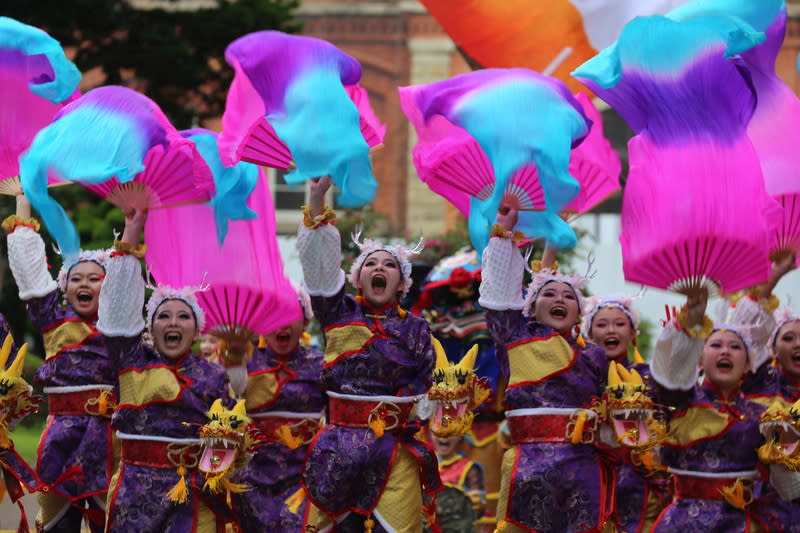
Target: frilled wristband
<point>328,216</point>
<point>125,248</point>
<point>515,236</point>
<point>13,221</point>
<point>699,331</point>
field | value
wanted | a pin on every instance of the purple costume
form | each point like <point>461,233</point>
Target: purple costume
<point>162,404</point>
<point>367,460</point>
<point>549,484</point>
<point>711,446</point>
<point>281,391</point>
<point>74,459</point>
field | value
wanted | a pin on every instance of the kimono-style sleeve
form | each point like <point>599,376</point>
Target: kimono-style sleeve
<point>122,298</point>
<point>675,365</point>
<point>320,252</point>
<point>28,261</point>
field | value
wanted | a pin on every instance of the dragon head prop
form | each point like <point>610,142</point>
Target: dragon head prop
<point>16,400</point>
<point>627,408</point>
<point>456,391</point>
<point>228,442</point>
<point>780,425</point>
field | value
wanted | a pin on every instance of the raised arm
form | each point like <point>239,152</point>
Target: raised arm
<point>319,244</point>
<point>122,295</point>
<point>503,267</point>
<point>677,353</point>
<point>26,253</point>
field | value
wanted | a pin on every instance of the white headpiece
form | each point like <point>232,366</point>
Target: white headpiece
<point>623,302</point>
<point>545,276</point>
<point>96,256</point>
<point>398,251</point>
<point>743,332</point>
<point>184,294</point>
<point>782,317</point>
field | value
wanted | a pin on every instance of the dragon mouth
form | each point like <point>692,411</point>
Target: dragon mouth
<point>785,435</point>
<point>218,455</point>
<point>447,413</point>
<point>630,425</point>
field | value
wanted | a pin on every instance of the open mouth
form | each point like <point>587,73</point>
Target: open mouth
<point>725,364</point>
<point>172,339</point>
<point>630,426</point>
<point>558,312</point>
<point>378,284</point>
<point>218,455</point>
<point>84,297</point>
<point>784,434</point>
<point>446,415</point>
<point>283,339</point>
<point>611,343</point>
<point>796,357</point>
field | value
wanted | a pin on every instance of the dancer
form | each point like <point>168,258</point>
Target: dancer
<point>714,435</point>
<point>641,491</point>
<point>74,458</point>
<point>285,401</point>
<point>378,359</point>
<point>553,479</point>
<point>165,391</point>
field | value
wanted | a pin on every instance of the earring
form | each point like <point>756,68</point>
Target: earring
<point>637,357</point>
<point>579,340</point>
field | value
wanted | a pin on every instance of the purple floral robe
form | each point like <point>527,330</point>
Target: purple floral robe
<point>733,449</point>
<point>554,487</point>
<point>72,442</point>
<point>398,361</point>
<point>138,503</point>
<point>273,474</point>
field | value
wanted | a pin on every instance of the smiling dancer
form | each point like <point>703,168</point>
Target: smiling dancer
<point>365,470</point>
<point>74,459</point>
<point>712,444</point>
<point>285,401</point>
<point>165,392</point>
<point>553,479</point>
<point>612,322</point>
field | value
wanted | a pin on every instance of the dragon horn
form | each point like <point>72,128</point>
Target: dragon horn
<point>15,370</point>
<point>636,378</point>
<point>216,408</point>
<point>239,408</point>
<point>613,375</point>
<point>5,351</point>
<point>468,361</point>
<point>624,374</point>
<point>441,356</point>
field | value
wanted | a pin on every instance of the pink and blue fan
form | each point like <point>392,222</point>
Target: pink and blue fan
<point>233,185</point>
<point>248,293</point>
<point>695,211</point>
<point>117,143</point>
<point>36,80</point>
<point>483,137</point>
<point>295,104</point>
<point>773,128</point>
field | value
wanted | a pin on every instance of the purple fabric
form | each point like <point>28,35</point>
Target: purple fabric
<point>732,451</point>
<point>399,362</point>
<point>274,473</point>
<point>555,487</point>
<point>139,503</point>
<point>73,440</point>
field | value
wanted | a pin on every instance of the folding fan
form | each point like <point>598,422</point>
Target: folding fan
<point>248,293</point>
<point>695,212</point>
<point>452,163</point>
<point>117,143</point>
<point>36,81</point>
<point>295,104</point>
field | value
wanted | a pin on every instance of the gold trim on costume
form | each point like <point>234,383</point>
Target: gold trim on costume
<point>350,338</point>
<point>156,384</point>
<point>535,360</point>
<point>70,333</point>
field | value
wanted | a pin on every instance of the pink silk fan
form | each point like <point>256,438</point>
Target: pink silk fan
<point>248,293</point>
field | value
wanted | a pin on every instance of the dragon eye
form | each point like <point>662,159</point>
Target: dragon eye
<point>215,417</point>
<point>462,379</point>
<point>234,422</point>
<point>438,377</point>
<point>619,393</point>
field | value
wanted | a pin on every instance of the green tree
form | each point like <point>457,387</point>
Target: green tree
<point>174,56</point>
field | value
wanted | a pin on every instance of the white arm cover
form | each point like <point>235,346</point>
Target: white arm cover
<point>502,274</point>
<point>761,323</point>
<point>320,252</point>
<point>786,482</point>
<point>675,359</point>
<point>122,298</point>
<point>28,263</point>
